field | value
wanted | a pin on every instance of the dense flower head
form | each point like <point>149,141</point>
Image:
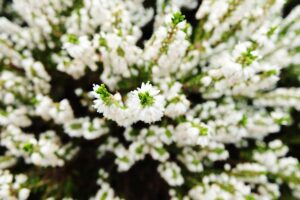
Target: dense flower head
<point>202,95</point>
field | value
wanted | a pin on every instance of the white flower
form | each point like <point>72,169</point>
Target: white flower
<point>188,133</point>
<point>7,161</point>
<point>159,153</point>
<point>21,178</point>
<point>43,106</point>
<point>171,172</point>
<point>105,193</point>
<point>63,112</point>
<point>146,103</point>
<point>23,194</point>
<point>74,127</point>
<point>94,129</point>
<point>177,106</point>
<point>206,80</point>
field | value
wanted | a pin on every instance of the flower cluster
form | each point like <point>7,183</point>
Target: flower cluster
<point>13,186</point>
<point>145,104</point>
<point>110,86</point>
<point>47,150</point>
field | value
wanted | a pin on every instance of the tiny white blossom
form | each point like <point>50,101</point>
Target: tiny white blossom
<point>146,103</point>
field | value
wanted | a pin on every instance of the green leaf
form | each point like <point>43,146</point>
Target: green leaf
<point>120,52</point>
<point>146,99</point>
<point>104,94</point>
<point>177,18</point>
<point>28,147</point>
<point>73,39</point>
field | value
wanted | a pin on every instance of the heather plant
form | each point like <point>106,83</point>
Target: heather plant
<point>204,94</point>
